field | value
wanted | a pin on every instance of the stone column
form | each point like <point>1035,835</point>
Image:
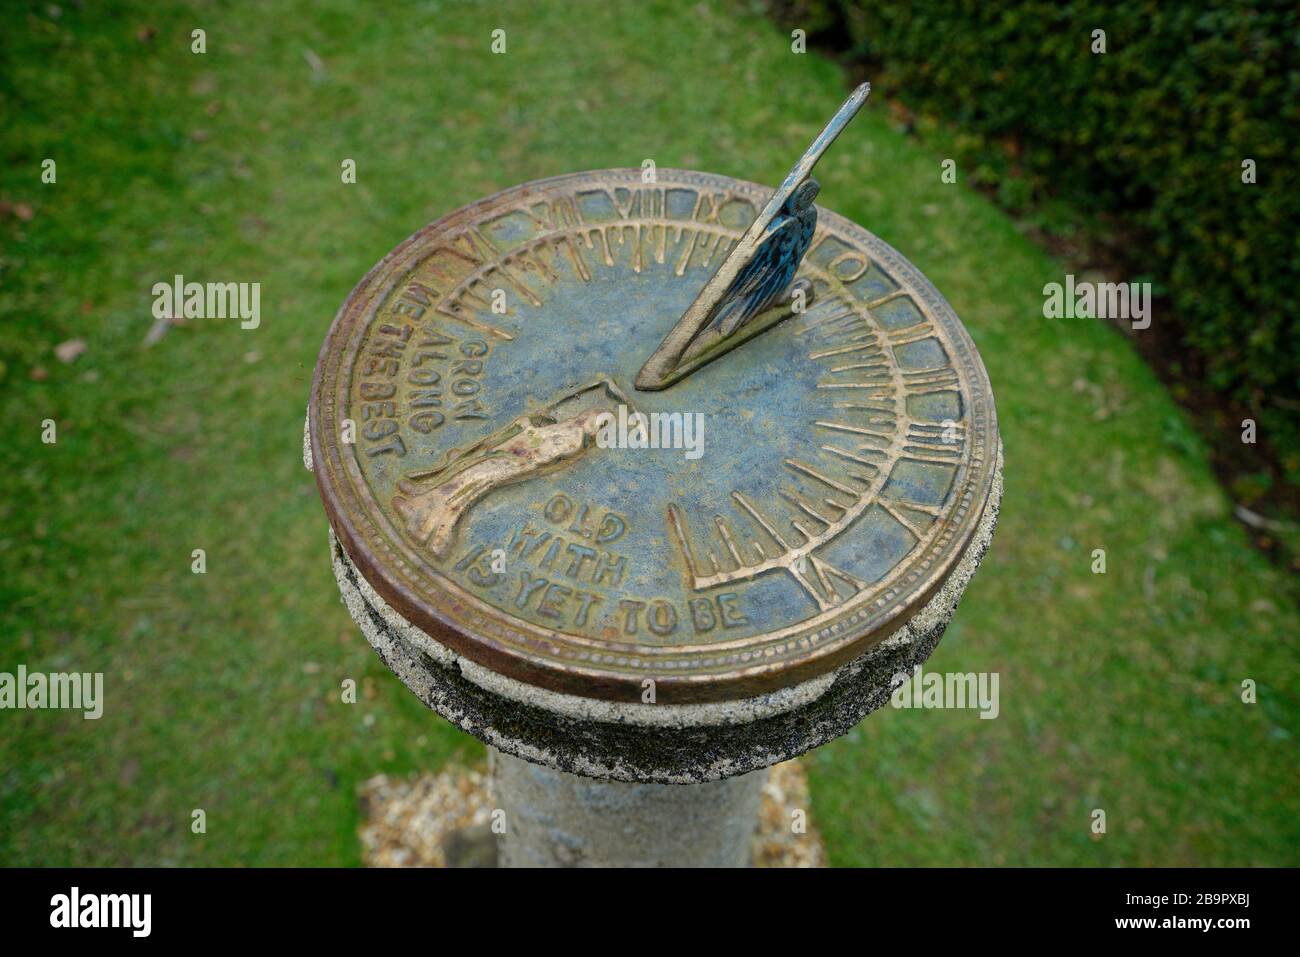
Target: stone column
<point>557,819</point>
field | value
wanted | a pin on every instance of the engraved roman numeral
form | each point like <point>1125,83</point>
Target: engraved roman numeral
<point>827,585</point>
<point>935,443</point>
<point>930,380</point>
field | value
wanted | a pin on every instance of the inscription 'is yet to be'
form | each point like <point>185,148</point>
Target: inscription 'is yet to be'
<point>569,581</point>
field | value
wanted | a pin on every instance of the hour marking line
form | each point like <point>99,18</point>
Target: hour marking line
<point>758,517</point>
<point>805,508</point>
<point>841,350</point>
<point>503,264</point>
<point>855,385</point>
<point>848,313</point>
<point>845,453</point>
<point>824,479</point>
<point>899,517</point>
<point>854,429</point>
<point>920,455</point>
<point>819,585</point>
<point>864,365</point>
<point>885,409</point>
<point>902,337</point>
<point>457,312</point>
<point>676,523</point>
<point>728,540</point>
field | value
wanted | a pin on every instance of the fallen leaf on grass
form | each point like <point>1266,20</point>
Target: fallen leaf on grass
<point>70,350</point>
<point>159,329</point>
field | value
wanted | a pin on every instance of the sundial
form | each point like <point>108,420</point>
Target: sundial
<point>603,433</point>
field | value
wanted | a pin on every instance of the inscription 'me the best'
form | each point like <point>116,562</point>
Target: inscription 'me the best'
<point>416,377</point>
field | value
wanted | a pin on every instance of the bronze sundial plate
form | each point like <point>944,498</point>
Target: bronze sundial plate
<point>456,419</point>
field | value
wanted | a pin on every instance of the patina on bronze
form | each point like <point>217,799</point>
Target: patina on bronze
<point>456,417</point>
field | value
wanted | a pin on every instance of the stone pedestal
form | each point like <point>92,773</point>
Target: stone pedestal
<point>557,819</point>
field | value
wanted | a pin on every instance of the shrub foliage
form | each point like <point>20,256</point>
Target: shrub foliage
<point>1154,131</point>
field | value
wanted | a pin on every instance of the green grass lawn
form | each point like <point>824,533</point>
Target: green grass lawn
<point>1118,691</point>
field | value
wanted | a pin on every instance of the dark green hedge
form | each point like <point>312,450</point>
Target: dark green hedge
<point>1153,131</point>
